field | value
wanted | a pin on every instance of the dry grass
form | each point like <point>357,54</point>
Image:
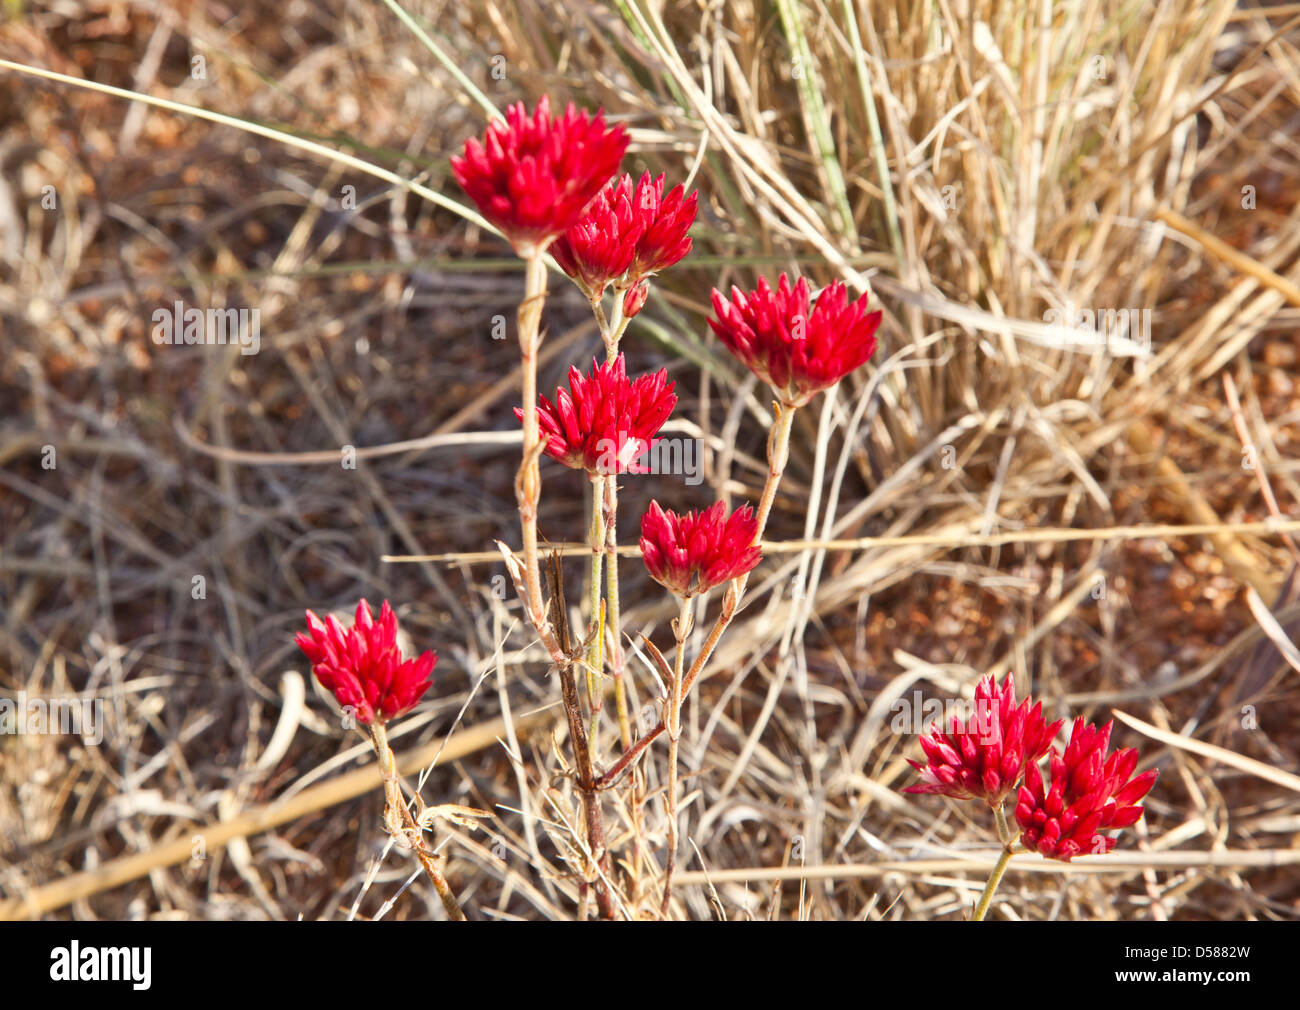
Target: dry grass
<point>978,164</point>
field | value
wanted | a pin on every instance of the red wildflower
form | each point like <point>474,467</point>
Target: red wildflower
<point>533,177</point>
<point>362,666</point>
<point>985,757</point>
<point>1088,792</point>
<point>604,423</point>
<point>798,351</point>
<point>627,233</point>
<point>693,553</point>
<point>634,300</point>
<point>665,221</point>
<point>601,246</point>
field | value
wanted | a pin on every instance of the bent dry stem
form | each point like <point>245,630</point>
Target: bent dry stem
<point>401,825</point>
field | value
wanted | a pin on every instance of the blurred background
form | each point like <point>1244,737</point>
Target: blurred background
<point>1078,219</point>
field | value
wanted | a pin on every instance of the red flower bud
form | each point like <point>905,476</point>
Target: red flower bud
<point>985,757</point>
<point>629,232</point>
<point>795,349</point>
<point>362,666</point>
<point>1087,792</point>
<point>605,423</point>
<point>665,221</point>
<point>533,177</point>
<point>635,298</point>
<point>601,246</point>
<point>693,553</point>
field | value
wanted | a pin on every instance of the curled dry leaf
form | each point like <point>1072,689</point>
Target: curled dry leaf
<point>652,650</point>
<point>466,817</point>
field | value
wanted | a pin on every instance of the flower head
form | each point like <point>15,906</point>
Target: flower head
<point>693,553</point>
<point>795,349</point>
<point>1088,792</point>
<point>630,231</point>
<point>665,222</point>
<point>600,247</point>
<point>362,666</point>
<point>604,423</point>
<point>985,757</point>
<point>533,177</point>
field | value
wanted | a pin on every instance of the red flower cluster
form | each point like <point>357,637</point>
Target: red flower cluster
<point>604,423</point>
<point>601,246</point>
<point>1088,792</point>
<point>795,349</point>
<point>985,757</point>
<point>693,553</point>
<point>362,666</point>
<point>667,219</point>
<point>628,233</point>
<point>534,176</point>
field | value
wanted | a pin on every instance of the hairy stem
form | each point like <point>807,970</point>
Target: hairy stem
<point>681,630</point>
<point>528,481</point>
<point>595,629</point>
<point>528,487</point>
<point>613,627</point>
<point>401,825</point>
<point>611,332</point>
<point>778,453</point>
<point>586,785</point>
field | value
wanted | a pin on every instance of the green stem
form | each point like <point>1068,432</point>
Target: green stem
<point>1008,842</point>
<point>528,482</point>
<point>778,453</point>
<point>595,631</point>
<point>612,615</point>
<point>987,897</point>
<point>613,331</point>
<point>681,630</point>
